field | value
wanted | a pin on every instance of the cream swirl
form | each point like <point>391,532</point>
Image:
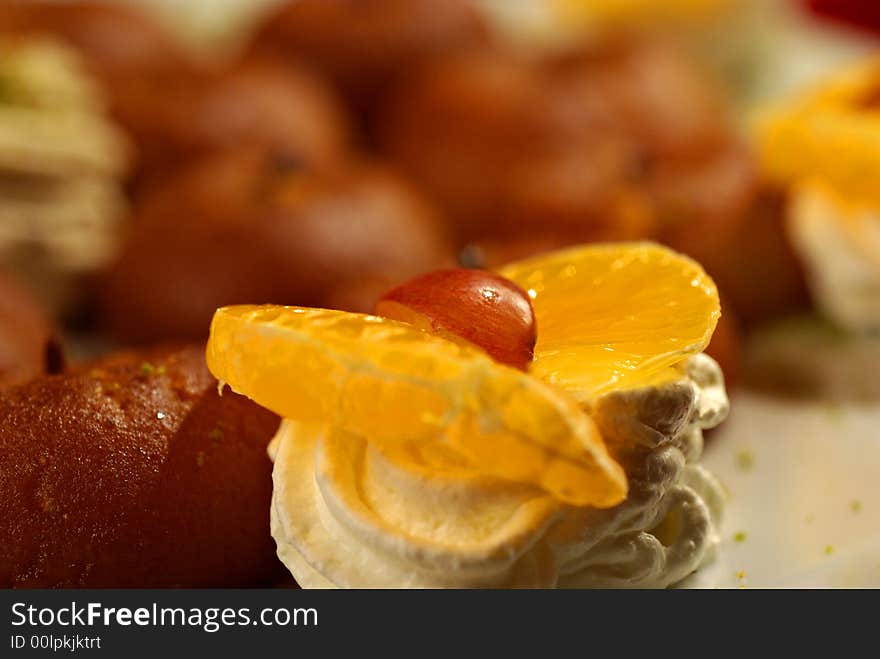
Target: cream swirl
<point>840,247</point>
<point>62,164</point>
<point>345,515</point>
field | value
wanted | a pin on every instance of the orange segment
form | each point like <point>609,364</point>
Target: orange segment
<point>830,134</point>
<point>414,396</point>
<point>615,316</point>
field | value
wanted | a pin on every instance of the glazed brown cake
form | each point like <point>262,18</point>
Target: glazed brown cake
<point>115,39</point>
<point>613,141</point>
<point>251,226</point>
<point>194,113</point>
<point>134,472</point>
<point>174,106</point>
<point>363,45</point>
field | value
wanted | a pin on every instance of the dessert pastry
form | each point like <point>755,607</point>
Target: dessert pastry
<point>416,457</point>
<point>28,347</point>
<point>753,261</point>
<point>173,105</point>
<point>250,224</point>
<point>824,148</point>
<point>61,165</point>
<point>363,45</point>
<point>617,141</point>
<point>131,59</point>
<point>192,113</point>
<point>133,472</point>
<point>116,40</point>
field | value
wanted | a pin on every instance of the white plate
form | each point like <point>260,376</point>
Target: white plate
<point>804,495</point>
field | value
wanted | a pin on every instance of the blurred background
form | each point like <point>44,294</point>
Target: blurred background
<point>159,159</point>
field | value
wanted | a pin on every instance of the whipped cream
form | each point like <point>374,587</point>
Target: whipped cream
<point>62,164</point>
<point>343,515</point>
<point>840,248</point>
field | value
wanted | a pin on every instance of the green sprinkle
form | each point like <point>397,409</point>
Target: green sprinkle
<point>216,434</point>
<point>745,460</point>
<point>147,369</point>
<point>160,370</point>
<point>855,506</point>
<point>829,550</point>
<point>739,536</point>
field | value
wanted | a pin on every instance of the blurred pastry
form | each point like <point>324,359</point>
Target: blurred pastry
<point>61,165</point>
<point>174,106</point>
<point>28,344</point>
<point>362,45</point>
<point>824,149</point>
<point>116,40</point>
<point>482,132</point>
<point>134,472</point>
<point>250,224</point>
<point>190,114</point>
<point>753,261</point>
<point>622,140</point>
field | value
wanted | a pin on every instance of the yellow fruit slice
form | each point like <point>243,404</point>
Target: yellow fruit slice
<point>830,135</point>
<point>417,398</point>
<point>614,316</point>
